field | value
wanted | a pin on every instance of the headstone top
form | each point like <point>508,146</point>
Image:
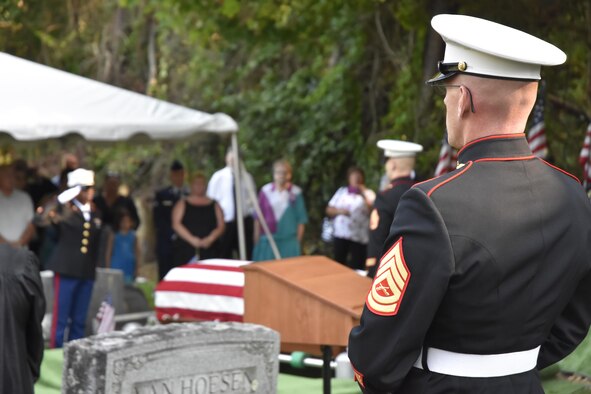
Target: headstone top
<point>200,358</point>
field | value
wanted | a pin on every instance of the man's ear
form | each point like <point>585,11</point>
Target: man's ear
<point>463,102</point>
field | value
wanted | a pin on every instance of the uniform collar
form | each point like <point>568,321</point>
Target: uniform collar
<point>501,146</point>
<point>85,209</point>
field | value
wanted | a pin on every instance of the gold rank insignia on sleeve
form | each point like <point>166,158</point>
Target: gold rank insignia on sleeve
<point>374,219</point>
<point>390,283</point>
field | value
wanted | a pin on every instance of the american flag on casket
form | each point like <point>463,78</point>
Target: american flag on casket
<point>205,290</point>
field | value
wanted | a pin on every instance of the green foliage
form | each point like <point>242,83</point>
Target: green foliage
<point>317,82</point>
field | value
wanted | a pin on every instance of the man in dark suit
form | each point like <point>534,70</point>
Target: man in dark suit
<point>399,166</point>
<point>164,201</point>
<point>486,274</point>
<point>75,256</point>
<point>23,307</point>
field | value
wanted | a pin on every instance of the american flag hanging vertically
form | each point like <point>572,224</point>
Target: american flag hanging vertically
<point>585,159</point>
<point>448,158</point>
<point>536,135</point>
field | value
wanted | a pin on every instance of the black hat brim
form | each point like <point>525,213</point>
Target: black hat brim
<point>440,77</point>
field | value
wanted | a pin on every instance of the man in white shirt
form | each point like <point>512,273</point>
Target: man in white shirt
<point>221,189</point>
<point>16,211</point>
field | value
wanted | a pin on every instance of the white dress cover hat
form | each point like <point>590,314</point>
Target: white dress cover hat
<point>397,148</point>
<point>480,47</point>
<point>77,179</point>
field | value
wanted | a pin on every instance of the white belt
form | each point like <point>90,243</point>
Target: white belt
<point>479,365</point>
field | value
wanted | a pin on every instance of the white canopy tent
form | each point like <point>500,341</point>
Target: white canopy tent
<point>39,102</point>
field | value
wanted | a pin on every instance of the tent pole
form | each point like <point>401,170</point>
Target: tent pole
<point>239,202</point>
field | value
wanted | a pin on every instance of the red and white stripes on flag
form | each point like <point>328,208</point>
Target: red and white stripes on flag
<point>536,135</point>
<point>106,316</point>
<point>208,290</point>
<point>448,158</point>
<point>585,159</point>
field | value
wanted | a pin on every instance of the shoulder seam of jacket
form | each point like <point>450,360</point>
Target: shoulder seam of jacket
<point>461,172</point>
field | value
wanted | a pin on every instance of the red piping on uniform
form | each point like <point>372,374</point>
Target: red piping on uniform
<point>358,376</point>
<point>491,137</point>
<point>560,169</point>
<point>430,179</point>
<point>56,292</point>
<point>506,158</point>
<point>449,179</point>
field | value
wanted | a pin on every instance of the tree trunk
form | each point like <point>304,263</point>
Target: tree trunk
<point>111,57</point>
<point>152,65</point>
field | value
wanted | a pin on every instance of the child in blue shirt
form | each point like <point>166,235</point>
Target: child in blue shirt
<point>123,248</point>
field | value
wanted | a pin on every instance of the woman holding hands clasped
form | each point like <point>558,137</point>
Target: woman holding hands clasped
<point>198,223</point>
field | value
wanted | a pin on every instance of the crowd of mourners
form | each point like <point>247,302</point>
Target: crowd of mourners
<point>193,220</point>
<point>74,226</point>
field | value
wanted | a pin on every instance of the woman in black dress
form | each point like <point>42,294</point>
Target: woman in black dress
<point>198,222</point>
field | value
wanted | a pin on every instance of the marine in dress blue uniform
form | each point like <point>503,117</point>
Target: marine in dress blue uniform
<point>486,275</point>
<point>164,201</point>
<point>74,258</point>
<point>399,166</point>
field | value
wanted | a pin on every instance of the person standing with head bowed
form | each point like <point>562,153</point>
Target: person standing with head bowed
<point>198,222</point>
<point>485,277</point>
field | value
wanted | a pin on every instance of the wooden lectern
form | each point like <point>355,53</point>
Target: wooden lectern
<point>311,300</point>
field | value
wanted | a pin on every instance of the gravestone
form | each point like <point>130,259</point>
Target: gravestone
<point>108,282</point>
<point>189,358</point>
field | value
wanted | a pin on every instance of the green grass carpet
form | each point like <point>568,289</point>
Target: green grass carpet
<point>51,377</point>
